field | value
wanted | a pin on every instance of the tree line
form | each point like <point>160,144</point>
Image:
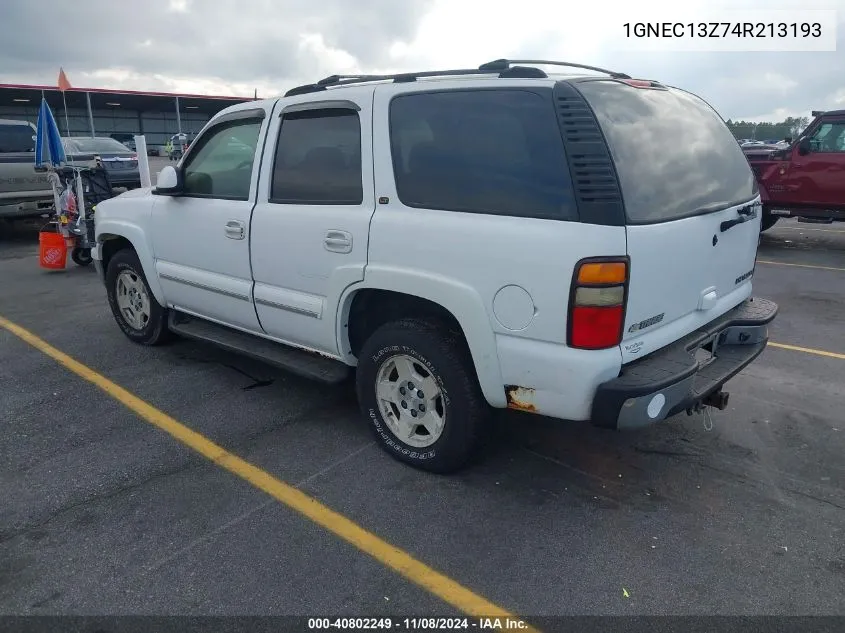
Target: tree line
<point>791,127</point>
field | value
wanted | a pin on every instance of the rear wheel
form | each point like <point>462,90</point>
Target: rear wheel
<point>417,387</point>
<point>768,220</point>
<point>132,303</point>
<point>81,256</point>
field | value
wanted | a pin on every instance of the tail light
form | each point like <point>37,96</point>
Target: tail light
<point>597,303</point>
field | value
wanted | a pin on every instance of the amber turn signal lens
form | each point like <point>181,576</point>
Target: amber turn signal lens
<point>603,273</point>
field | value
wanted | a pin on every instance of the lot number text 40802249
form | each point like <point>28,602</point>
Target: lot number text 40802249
<point>418,624</point>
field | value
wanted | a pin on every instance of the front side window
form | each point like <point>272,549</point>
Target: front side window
<point>318,158</point>
<point>221,166</point>
<point>495,152</point>
<point>828,138</point>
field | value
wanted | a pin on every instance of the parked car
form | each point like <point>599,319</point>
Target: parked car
<point>120,162</point>
<point>125,139</point>
<point>24,192</point>
<point>806,178</point>
<point>754,150</point>
<point>580,247</point>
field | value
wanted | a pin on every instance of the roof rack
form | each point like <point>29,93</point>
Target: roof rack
<point>345,80</point>
<point>499,65</point>
<point>504,68</point>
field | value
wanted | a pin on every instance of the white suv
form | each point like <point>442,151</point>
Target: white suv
<point>577,246</point>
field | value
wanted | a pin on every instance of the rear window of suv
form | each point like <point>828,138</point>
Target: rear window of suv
<point>496,152</point>
<point>674,155</point>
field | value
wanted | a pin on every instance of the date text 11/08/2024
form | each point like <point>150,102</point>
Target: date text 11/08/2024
<point>723,29</point>
<point>418,624</point>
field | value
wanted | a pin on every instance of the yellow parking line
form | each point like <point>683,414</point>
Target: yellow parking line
<point>766,261</point>
<point>398,560</point>
<point>808,350</point>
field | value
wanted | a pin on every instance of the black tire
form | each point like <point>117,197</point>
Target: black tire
<point>81,256</point>
<point>768,221</point>
<point>445,356</point>
<point>155,331</point>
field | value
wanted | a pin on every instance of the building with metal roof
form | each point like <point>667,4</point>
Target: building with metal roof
<point>104,112</point>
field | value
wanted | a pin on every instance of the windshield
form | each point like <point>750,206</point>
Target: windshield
<point>16,138</point>
<point>95,145</point>
<point>674,155</point>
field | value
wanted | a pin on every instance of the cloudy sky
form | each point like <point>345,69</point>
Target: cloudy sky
<point>236,46</point>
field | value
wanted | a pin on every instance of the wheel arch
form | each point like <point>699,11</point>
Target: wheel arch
<point>384,295</point>
<point>113,237</point>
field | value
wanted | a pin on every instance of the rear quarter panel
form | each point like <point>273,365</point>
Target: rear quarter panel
<point>506,279</point>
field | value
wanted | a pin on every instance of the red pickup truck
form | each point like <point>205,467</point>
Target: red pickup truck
<point>807,178</point>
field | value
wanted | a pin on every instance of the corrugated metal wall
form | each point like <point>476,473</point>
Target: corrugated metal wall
<point>156,126</point>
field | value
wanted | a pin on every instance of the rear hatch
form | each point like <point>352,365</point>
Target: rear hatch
<point>119,162</point>
<point>692,207</point>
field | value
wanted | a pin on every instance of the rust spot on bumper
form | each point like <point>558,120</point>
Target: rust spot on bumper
<point>520,398</point>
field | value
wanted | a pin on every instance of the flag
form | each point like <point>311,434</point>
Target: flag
<point>64,84</point>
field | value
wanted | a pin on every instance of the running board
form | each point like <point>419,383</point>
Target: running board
<point>307,364</point>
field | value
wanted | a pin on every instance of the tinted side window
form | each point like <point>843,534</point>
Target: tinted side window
<point>16,138</point>
<point>318,158</point>
<point>498,152</point>
<point>829,138</point>
<point>221,166</point>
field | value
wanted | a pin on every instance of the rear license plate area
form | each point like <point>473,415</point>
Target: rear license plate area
<point>706,352</point>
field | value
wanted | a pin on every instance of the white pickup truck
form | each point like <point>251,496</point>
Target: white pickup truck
<point>577,246</point>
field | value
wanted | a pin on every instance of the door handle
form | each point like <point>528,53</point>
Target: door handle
<point>338,241</point>
<point>235,230</point>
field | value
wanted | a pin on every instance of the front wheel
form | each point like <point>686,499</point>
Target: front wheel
<point>417,387</point>
<point>132,303</point>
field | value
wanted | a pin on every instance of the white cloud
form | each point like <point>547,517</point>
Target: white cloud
<point>234,46</point>
<point>178,6</point>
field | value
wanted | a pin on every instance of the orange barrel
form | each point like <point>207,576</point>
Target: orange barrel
<point>52,252</point>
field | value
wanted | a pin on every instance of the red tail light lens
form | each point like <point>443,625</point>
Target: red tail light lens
<point>597,304</point>
<point>596,328</point>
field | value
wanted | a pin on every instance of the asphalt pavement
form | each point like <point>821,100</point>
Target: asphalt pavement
<point>103,513</point>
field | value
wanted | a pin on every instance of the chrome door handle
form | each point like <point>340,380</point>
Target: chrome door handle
<point>338,241</point>
<point>235,230</point>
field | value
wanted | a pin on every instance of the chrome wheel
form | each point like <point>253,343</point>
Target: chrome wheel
<point>410,400</point>
<point>133,301</point>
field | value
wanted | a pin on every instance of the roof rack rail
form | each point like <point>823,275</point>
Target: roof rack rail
<point>345,80</point>
<point>501,65</point>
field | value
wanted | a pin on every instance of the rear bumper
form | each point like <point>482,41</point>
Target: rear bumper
<point>672,380</point>
<point>120,177</point>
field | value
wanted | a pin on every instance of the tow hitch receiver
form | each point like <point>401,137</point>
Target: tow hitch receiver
<point>717,400</point>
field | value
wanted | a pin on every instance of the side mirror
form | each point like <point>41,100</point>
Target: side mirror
<point>804,146</point>
<point>169,182</point>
